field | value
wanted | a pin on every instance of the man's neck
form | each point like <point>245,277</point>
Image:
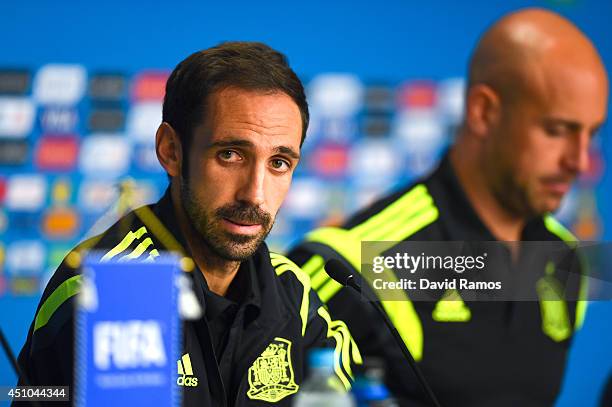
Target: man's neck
<point>504,225</point>
<point>218,273</point>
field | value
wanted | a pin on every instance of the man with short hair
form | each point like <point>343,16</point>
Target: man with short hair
<point>536,94</point>
<point>234,119</point>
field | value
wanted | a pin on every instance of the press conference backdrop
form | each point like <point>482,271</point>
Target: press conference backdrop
<point>80,99</point>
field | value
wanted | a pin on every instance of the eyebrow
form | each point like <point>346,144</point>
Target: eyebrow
<point>246,143</point>
<point>288,151</point>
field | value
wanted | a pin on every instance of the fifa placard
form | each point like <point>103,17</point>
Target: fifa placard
<point>127,333</point>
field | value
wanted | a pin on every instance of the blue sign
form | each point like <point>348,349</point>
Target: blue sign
<point>127,334</point>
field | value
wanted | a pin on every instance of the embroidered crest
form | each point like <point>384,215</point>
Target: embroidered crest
<point>271,375</point>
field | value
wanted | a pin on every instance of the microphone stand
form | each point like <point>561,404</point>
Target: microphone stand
<point>340,273</point>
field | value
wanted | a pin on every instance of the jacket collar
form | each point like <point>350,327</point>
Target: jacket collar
<point>460,220</point>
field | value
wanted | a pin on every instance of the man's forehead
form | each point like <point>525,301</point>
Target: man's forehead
<point>570,93</point>
<point>237,113</point>
<point>258,108</point>
<point>244,101</point>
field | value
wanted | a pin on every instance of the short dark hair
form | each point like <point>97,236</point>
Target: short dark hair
<point>245,65</point>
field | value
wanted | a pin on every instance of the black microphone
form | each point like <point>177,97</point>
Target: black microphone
<point>343,275</point>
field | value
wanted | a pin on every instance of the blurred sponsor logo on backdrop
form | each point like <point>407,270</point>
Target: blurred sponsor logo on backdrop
<point>16,117</point>
<point>149,86</point>
<point>97,195</point>
<point>105,155</point>
<point>27,192</point>
<point>143,120</point>
<point>107,87</point>
<point>106,119</point>
<point>57,153</point>
<point>57,84</point>
<point>24,265</point>
<point>13,153</point>
<point>14,81</point>
<point>59,120</point>
<point>3,222</point>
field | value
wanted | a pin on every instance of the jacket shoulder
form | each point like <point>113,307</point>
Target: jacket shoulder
<point>379,205</point>
<point>287,270</point>
<point>403,215</point>
<point>396,216</point>
<point>127,239</point>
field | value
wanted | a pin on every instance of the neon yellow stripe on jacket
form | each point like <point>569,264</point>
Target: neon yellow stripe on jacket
<point>125,243</point>
<point>555,227</point>
<point>60,295</point>
<point>340,333</point>
<point>282,264</point>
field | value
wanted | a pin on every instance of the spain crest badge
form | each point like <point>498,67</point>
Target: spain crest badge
<point>271,376</point>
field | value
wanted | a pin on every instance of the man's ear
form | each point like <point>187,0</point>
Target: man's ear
<point>483,109</point>
<point>168,149</point>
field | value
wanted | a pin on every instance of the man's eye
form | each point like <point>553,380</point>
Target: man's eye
<point>229,155</point>
<point>280,165</point>
<point>556,130</point>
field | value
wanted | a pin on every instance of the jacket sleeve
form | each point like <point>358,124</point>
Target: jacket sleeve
<point>322,332</point>
<point>319,330</point>
<point>47,355</point>
<point>343,303</point>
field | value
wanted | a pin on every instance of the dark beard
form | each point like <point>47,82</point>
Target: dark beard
<point>226,245</point>
<point>514,198</point>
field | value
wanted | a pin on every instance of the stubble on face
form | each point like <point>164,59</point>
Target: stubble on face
<point>514,196</point>
<point>226,245</point>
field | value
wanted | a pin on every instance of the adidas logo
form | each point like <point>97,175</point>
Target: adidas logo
<point>185,372</point>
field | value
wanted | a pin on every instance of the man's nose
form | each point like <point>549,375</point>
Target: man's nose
<point>251,190</point>
<point>577,156</point>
